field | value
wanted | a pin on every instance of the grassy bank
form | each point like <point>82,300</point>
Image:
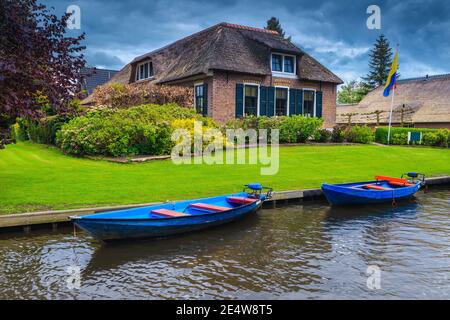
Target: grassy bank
<point>36,177</point>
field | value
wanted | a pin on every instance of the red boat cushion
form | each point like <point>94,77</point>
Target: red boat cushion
<point>375,187</point>
<point>395,183</point>
<point>392,179</point>
<point>208,207</point>
<point>240,200</point>
<point>169,213</point>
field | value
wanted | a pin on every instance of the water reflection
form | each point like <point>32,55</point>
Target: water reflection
<point>302,251</point>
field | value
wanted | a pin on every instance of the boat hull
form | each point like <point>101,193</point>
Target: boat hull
<point>344,194</point>
<point>119,229</point>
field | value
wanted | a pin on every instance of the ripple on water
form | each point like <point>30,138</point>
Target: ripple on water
<point>309,251</point>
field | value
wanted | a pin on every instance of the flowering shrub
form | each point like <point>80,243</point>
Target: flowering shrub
<point>145,129</point>
<point>118,95</point>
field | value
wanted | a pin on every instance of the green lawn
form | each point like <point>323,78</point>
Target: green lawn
<point>35,177</point>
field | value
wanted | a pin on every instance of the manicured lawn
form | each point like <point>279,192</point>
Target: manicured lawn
<point>35,177</point>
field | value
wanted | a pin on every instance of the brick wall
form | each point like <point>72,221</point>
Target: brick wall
<point>222,93</point>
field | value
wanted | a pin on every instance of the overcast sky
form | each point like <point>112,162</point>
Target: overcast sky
<point>334,32</point>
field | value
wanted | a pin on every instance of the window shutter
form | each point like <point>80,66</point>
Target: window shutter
<point>299,105</point>
<point>292,101</point>
<point>319,104</point>
<point>239,100</point>
<point>205,99</point>
<point>270,101</point>
<point>262,101</point>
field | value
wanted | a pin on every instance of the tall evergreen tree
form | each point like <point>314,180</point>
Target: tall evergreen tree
<point>274,24</point>
<point>380,60</point>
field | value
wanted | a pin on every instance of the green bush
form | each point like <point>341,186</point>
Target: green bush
<point>338,134</point>
<point>359,134</point>
<point>145,129</point>
<point>400,138</point>
<point>323,135</point>
<point>443,138</point>
<point>40,131</point>
<point>430,137</point>
<point>292,128</point>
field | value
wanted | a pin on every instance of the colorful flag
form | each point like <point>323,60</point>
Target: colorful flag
<point>390,82</point>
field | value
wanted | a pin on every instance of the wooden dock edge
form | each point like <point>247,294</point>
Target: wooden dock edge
<point>24,221</point>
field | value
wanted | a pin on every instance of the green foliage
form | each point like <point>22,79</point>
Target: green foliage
<point>400,138</point>
<point>40,131</point>
<point>430,137</point>
<point>338,134</point>
<point>145,129</point>
<point>352,92</point>
<point>359,134</point>
<point>293,129</point>
<point>380,61</point>
<point>323,135</point>
<point>275,25</point>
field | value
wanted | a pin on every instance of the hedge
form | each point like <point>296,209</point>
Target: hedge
<point>399,136</point>
<point>359,134</point>
<point>293,129</point>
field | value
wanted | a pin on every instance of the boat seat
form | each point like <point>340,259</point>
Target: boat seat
<point>392,179</point>
<point>403,184</point>
<point>169,213</point>
<point>240,200</point>
<point>375,187</point>
<point>206,206</point>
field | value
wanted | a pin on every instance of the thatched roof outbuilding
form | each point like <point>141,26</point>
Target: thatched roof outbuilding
<point>420,101</point>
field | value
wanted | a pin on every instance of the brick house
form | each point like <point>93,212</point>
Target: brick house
<point>236,70</point>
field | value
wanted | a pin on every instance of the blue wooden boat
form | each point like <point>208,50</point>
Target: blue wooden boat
<point>173,218</point>
<point>383,189</point>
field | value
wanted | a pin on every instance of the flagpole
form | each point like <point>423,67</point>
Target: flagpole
<point>392,104</point>
<point>390,115</point>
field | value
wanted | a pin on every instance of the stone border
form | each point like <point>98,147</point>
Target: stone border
<point>24,220</point>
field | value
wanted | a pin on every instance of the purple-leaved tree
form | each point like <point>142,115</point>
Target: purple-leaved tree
<point>36,57</point>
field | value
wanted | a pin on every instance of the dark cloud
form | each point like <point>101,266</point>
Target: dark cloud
<point>334,32</point>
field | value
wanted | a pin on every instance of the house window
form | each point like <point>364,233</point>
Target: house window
<point>250,100</point>
<point>281,101</point>
<point>277,62</point>
<point>308,103</point>
<point>283,64</point>
<point>200,99</point>
<point>144,71</point>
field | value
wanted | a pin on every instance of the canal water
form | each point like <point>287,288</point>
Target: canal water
<point>292,252</point>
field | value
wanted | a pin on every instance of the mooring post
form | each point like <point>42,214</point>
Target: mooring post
<point>54,226</point>
<point>27,229</point>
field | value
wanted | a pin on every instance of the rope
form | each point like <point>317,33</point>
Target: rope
<point>394,204</point>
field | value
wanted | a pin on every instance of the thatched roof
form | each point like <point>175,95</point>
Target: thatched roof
<point>423,100</point>
<point>227,47</point>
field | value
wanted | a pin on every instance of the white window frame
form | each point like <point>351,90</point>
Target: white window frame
<point>275,99</point>
<point>282,73</point>
<point>258,100</point>
<point>149,69</point>
<point>315,100</point>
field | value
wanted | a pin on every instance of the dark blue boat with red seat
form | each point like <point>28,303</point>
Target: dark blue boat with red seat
<point>173,218</point>
<point>383,189</point>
